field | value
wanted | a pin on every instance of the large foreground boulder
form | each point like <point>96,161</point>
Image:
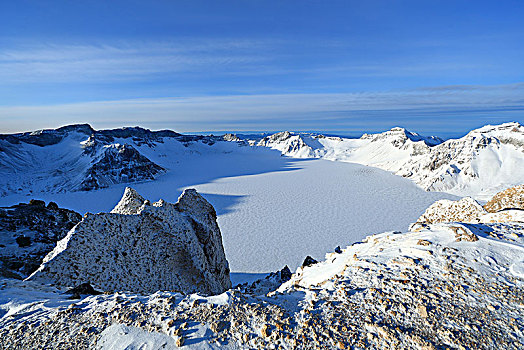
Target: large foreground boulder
<point>143,247</point>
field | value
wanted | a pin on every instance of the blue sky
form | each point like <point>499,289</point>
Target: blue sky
<point>347,67</point>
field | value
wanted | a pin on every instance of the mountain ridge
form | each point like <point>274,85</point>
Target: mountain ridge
<point>478,164</point>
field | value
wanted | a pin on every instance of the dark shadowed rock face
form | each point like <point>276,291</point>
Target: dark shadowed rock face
<point>28,232</point>
<point>143,247</point>
<point>119,164</point>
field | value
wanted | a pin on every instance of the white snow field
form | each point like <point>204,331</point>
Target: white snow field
<point>272,210</point>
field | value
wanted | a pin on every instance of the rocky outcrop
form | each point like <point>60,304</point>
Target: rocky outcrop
<point>119,164</point>
<point>267,284</point>
<point>464,210</point>
<point>506,215</point>
<point>505,206</point>
<point>28,232</point>
<point>511,198</point>
<point>143,247</point>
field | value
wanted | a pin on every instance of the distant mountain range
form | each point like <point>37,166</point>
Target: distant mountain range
<point>77,157</point>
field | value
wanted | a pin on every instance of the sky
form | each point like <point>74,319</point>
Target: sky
<point>340,67</point>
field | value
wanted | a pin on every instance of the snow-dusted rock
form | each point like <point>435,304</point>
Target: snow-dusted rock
<point>28,232</point>
<point>293,145</point>
<point>143,247</point>
<point>464,210</point>
<point>484,161</point>
<point>231,138</point>
<point>508,215</point>
<point>116,163</point>
<point>446,286</point>
<point>511,198</point>
<point>505,206</point>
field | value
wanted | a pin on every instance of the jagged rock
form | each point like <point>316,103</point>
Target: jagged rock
<point>28,232</point>
<point>267,284</point>
<point>231,138</point>
<point>285,274</point>
<point>464,210</point>
<point>37,202</point>
<point>291,144</point>
<point>159,246</point>
<point>308,261</point>
<point>511,198</point>
<point>119,164</point>
<point>82,289</point>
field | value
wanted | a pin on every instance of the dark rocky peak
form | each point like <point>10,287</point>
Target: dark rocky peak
<point>209,140</point>
<point>119,164</point>
<point>53,136</point>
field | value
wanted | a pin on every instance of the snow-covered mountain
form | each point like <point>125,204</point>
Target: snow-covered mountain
<point>479,164</point>
<point>78,157</point>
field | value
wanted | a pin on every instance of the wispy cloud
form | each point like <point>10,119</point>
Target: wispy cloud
<point>124,60</point>
<point>136,60</point>
<point>430,109</point>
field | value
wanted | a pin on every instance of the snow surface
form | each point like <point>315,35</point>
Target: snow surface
<point>122,337</point>
<point>272,210</point>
